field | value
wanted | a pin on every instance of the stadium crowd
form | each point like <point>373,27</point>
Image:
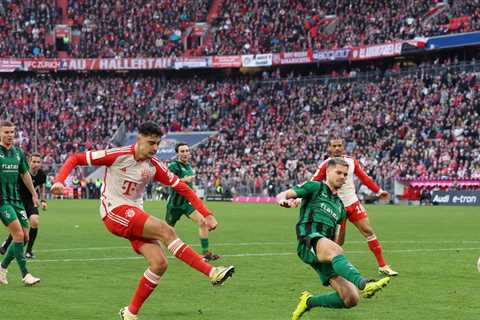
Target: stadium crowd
<point>263,26</point>
<point>131,29</point>
<point>23,27</point>
<point>271,133</point>
<point>155,28</point>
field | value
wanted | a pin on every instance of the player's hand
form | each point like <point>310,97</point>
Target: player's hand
<point>211,222</point>
<point>284,203</point>
<point>294,203</point>
<point>189,179</point>
<point>35,200</point>
<point>44,205</point>
<point>57,188</point>
<point>384,196</point>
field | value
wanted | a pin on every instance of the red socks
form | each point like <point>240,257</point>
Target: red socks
<point>147,284</point>
<point>190,257</point>
<point>376,248</point>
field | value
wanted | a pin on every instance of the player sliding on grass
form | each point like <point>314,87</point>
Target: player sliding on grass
<point>321,214</point>
<point>128,170</point>
<point>356,213</point>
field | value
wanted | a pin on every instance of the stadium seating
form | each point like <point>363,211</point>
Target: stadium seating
<point>157,28</point>
<point>420,124</point>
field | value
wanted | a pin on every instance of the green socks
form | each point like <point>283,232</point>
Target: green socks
<point>15,251</point>
<point>329,300</point>
<point>344,268</point>
<point>204,244</point>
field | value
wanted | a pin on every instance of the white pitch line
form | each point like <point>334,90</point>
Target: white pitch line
<point>264,254</point>
<point>246,244</point>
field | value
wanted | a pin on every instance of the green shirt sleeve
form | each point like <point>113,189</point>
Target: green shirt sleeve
<point>173,167</point>
<point>306,189</point>
<point>23,164</point>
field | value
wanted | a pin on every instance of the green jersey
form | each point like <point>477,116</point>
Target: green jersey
<point>12,164</point>
<point>321,210</point>
<point>181,170</point>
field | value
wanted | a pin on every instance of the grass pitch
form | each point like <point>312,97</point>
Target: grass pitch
<point>87,273</point>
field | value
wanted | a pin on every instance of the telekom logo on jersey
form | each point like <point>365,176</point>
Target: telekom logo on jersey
<point>129,187</point>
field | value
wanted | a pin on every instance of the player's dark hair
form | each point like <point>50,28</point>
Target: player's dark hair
<point>337,161</point>
<point>150,129</point>
<point>6,123</point>
<point>180,144</point>
<point>334,137</point>
<point>34,154</point>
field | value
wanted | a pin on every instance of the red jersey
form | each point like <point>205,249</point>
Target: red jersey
<point>125,178</point>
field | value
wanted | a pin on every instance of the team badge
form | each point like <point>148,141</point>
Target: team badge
<point>130,213</point>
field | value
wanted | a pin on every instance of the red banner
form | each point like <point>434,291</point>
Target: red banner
<point>377,51</point>
<point>298,57</point>
<point>97,64</point>
<point>226,62</point>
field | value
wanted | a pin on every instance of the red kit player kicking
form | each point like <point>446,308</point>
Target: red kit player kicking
<point>128,170</point>
<point>356,213</point>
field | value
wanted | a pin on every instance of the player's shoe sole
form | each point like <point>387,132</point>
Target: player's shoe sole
<point>302,306</point>
<point>221,274</point>
<point>371,288</point>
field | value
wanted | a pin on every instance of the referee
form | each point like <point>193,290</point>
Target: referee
<point>39,178</point>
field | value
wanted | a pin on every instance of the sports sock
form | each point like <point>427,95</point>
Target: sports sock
<point>32,235</point>
<point>15,251</point>
<point>148,282</point>
<point>204,244</point>
<point>328,300</point>
<point>376,249</point>
<point>9,256</point>
<point>344,268</point>
<point>190,257</point>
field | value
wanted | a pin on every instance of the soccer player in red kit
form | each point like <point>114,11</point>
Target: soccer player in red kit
<point>127,171</point>
<point>356,213</point>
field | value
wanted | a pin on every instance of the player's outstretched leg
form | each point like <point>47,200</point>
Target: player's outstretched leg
<point>160,230</point>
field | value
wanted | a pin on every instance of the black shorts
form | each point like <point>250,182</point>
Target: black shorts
<point>30,208</point>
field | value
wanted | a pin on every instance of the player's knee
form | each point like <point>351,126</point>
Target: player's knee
<point>34,223</point>
<point>168,234</point>
<point>159,266</point>
<point>19,235</point>
<point>351,299</point>
<point>202,224</point>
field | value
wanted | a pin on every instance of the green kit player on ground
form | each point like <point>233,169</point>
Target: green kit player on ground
<point>13,166</point>
<point>321,214</point>
<point>177,206</point>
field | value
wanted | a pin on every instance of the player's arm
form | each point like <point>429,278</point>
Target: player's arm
<point>43,198</point>
<point>27,180</point>
<point>368,181</point>
<point>89,158</point>
<point>284,199</point>
<point>340,234</point>
<point>166,177</point>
